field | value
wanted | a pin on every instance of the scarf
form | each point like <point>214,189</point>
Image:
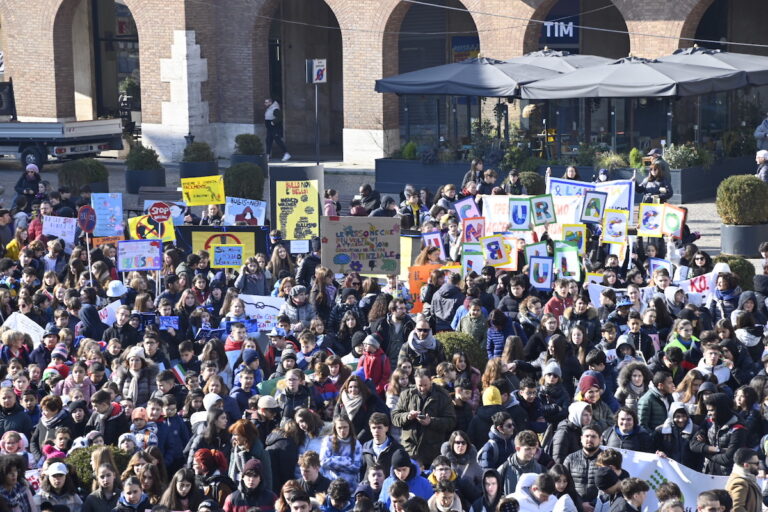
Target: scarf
<point>421,347</point>
<point>351,405</point>
<point>133,386</point>
<point>638,390</point>
<point>726,294</point>
<point>17,497</point>
<point>124,502</point>
<point>48,423</point>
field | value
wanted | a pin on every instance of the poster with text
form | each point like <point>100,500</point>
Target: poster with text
<point>496,213</point>
<point>543,210</point>
<point>565,187</point>
<point>649,220</point>
<point>494,250</point>
<point>615,224</point>
<point>109,214</point>
<point>263,310</point>
<point>298,211</point>
<point>472,229</point>
<point>203,191</point>
<point>620,194</point>
<point>250,212</point>
<point>144,228</point>
<point>139,255</point>
<point>467,208</point>
<point>418,276</point>
<point>227,256</point>
<point>60,227</point>
<point>435,239</point>
<point>178,210</point>
<point>369,245</point>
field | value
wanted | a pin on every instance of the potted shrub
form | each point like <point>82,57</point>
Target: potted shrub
<point>248,148</point>
<point>86,171</point>
<point>198,161</point>
<point>245,180</point>
<point>143,169</point>
<point>742,267</point>
<point>742,204</point>
<point>458,341</point>
<point>617,165</point>
<point>534,183</point>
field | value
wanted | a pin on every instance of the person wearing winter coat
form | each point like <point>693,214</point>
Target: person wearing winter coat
<point>552,392</point>
<point>653,406</point>
<point>54,416</point>
<point>500,444</point>
<point>712,364</point>
<point>742,483</point>
<point>492,493</point>
<point>463,457</point>
<point>296,394</point>
<point>374,364</point>
<point>726,298</point>
<point>446,301</point>
<point>12,414</point>
<point>283,450</point>
<point>341,454</point>
<point>349,300</point>
<point>251,280</point>
<point>252,492</point>
<point>585,316</point>
<point>720,436</point>
<point>672,438</point>
<point>108,418</point>
<point>358,402</point>
<point>521,462</point>
<point>405,470</point>
<point>627,434</point>
<point>655,185</point>
<point>536,493</point>
<point>567,438</point>
<point>422,349</point>
<point>298,309</point>
<point>634,379</point>
<point>380,449</point>
<point>395,329</point>
<point>136,378</point>
<point>582,463</point>
<point>246,446</point>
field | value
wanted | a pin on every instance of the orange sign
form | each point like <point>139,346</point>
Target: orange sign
<point>418,276</point>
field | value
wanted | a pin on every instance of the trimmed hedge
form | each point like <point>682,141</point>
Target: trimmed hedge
<point>534,183</point>
<point>80,460</point>
<point>454,341</point>
<point>739,266</point>
<point>742,200</point>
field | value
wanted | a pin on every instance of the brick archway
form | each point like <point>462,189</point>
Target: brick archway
<point>691,23</point>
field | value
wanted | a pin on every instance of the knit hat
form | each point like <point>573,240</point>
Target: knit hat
<point>139,413</point>
<point>49,373</point>
<point>267,402</point>
<point>77,404</point>
<point>357,338</point>
<point>253,466</point>
<point>209,400</point>
<point>346,293</point>
<point>491,396</point>
<point>128,436</point>
<point>51,332</point>
<point>401,459</point>
<point>605,478</point>
<point>288,353</point>
<point>250,355</point>
<point>298,290</point>
<point>552,368</point>
<point>588,382</point>
<point>60,351</point>
<point>372,340</point>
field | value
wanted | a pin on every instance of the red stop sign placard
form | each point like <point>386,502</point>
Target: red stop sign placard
<point>159,212</point>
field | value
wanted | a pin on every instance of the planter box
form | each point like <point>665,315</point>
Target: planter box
<point>135,179</point>
<point>392,174</point>
<point>100,187</point>
<point>197,169</point>
<point>742,240</point>
<point>696,183</point>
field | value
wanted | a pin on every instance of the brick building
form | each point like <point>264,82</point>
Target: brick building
<point>205,65</point>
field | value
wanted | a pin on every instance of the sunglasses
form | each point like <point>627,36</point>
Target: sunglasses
<point>422,330</point>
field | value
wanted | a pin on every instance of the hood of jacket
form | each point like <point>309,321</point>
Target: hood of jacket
<point>749,336</point>
<point>669,423</point>
<point>449,291</point>
<point>468,457</point>
<point>589,314</point>
<point>745,296</point>
<point>669,295</point>
<point>761,284</point>
<point>720,371</point>
<point>575,410</point>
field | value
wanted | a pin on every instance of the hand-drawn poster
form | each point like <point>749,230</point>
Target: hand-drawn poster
<point>615,224</point>
<point>262,310</point>
<point>435,239</point>
<point>472,229</point>
<point>543,210</point>
<point>109,214</point>
<point>238,211</point>
<point>298,211</point>
<point>541,272</point>
<point>203,191</point>
<point>649,220</point>
<point>519,213</point>
<point>496,213</point>
<point>418,276</point>
<point>369,245</point>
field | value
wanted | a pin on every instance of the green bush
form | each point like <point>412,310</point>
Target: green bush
<point>742,200</point>
<point>141,158</point>
<point>636,159</point>
<point>687,155</point>
<point>739,143</point>
<point>610,160</point>
<point>198,152</point>
<point>410,151</point>
<point>532,164</point>
<point>248,144</point>
<point>76,173</point>
<point>514,156</point>
<point>534,183</point>
<point>586,155</point>
<point>244,180</point>
<point>80,460</point>
<point>455,341</point>
<point>739,266</point>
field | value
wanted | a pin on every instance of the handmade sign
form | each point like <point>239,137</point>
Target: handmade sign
<point>361,244</point>
<point>298,210</point>
<point>567,262</point>
<point>496,213</point>
<point>472,258</point>
<point>139,255</point>
<point>466,208</point>
<point>494,251</point>
<point>410,246</point>
<point>673,221</point>
<point>23,323</point>
<point>703,285</point>
<point>594,277</point>
<point>621,194</point>
<point>167,322</point>
<point>511,241</point>
<point>108,314</point>
<point>203,238</point>
<point>472,229</point>
<point>227,256</point>
<point>564,187</point>
<point>543,210</point>
<point>263,310</point>
<point>178,209</point>
<point>60,227</point>
<point>541,272</point>
<point>203,191</point>
<point>593,206</point>
<point>103,240</point>
<point>435,239</point>
<point>144,228</point>
<point>576,234</point>
<point>537,249</point>
<point>109,214</point>
<point>519,213</point>
<point>654,263</point>
<point>615,225</point>
<point>649,220</point>
<point>418,276</point>
<point>238,211</point>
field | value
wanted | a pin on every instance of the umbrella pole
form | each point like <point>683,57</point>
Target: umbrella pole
<point>437,104</point>
<point>454,111</point>
<point>407,122</point>
<point>669,121</point>
<point>469,118</point>
<point>612,113</point>
<point>698,120</point>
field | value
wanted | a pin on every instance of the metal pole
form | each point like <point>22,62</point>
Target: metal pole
<point>437,105</point>
<point>469,118</point>
<point>669,121</point>
<point>698,120</point>
<point>407,122</point>
<point>88,250</point>
<point>612,106</point>
<point>317,124</point>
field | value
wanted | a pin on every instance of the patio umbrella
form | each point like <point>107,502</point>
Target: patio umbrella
<point>560,61</point>
<point>471,77</point>
<point>756,66</point>
<point>633,77</point>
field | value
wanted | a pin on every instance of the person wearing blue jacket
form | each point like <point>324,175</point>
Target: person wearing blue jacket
<point>405,470</point>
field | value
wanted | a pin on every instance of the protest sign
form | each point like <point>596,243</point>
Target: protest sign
<point>654,263</point>
<point>543,210</point>
<point>593,207</point>
<point>496,213</point>
<point>472,258</point>
<point>537,249</point>
<point>577,234</point>
<point>565,187</point>
<point>60,227</point>
<point>203,238</point>
<point>227,256</point>
<point>248,211</point>
<point>615,225</point>
<point>103,240</point>
<point>494,250</point>
<point>594,277</point>
<point>144,228</point>
<point>109,214</point>
<point>510,240</point>
<point>541,272</point>
<point>649,220</point>
<point>435,239</point>
<point>418,276</point>
<point>299,246</point>
<point>472,229</point>
<point>139,255</point>
<point>621,194</point>
<point>410,246</point>
<point>298,210</point>
<point>22,323</point>
<point>361,244</point>
<point>203,191</point>
<point>108,314</point>
<point>466,208</point>
<point>178,209</point>
<point>263,309</point>
<point>673,221</point>
<point>703,285</point>
<point>169,322</point>
<point>567,260</point>
<point>519,213</point>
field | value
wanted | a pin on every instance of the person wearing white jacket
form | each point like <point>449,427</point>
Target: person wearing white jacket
<point>535,493</point>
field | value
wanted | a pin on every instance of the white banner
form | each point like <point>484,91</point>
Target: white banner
<point>60,227</point>
<point>263,310</point>
<point>703,285</point>
<point>621,194</point>
<point>19,322</point>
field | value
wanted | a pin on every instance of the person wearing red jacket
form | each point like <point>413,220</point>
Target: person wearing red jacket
<point>375,363</point>
<point>560,300</point>
<point>35,229</point>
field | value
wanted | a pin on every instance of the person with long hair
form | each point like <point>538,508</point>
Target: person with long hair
<point>568,500</point>
<point>540,339</point>
<point>463,457</point>
<point>435,281</point>
<point>311,431</point>
<point>281,260</point>
<point>341,454</point>
<point>246,445</point>
<point>210,467</point>
<point>465,370</point>
<point>747,409</point>
<point>182,492</point>
<point>151,484</point>
<point>286,491</point>
<point>283,449</point>
<point>106,490</point>
<point>322,295</point>
<point>370,291</point>
<point>655,186</point>
<point>133,498</point>
<point>58,487</point>
<point>215,436</point>
<point>357,403</point>
<point>14,488</point>
<point>135,463</point>
<point>429,255</point>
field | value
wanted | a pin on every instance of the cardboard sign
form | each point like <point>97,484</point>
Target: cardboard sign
<point>435,239</point>
<point>19,322</point>
<point>615,225</point>
<point>227,256</point>
<point>519,213</point>
<point>467,208</point>
<point>567,262</point>
<point>203,191</point>
<point>649,220</point>
<point>107,240</point>
<point>144,228</point>
<point>539,249</point>
<point>139,255</point>
<point>543,210</point>
<point>262,310</point>
<point>60,227</point>
<point>593,206</point>
<point>472,229</point>
<point>654,263</point>
<point>298,211</point>
<point>203,238</point>
<point>673,221</point>
<point>418,276</point>
<point>496,213</point>
<point>361,244</point>
<point>178,210</point>
<point>238,211</point>
<point>576,234</point>
<point>109,214</point>
<point>541,272</point>
<point>108,314</point>
<point>472,258</point>
<point>167,322</point>
<point>494,250</point>
<point>510,245</point>
<point>594,277</point>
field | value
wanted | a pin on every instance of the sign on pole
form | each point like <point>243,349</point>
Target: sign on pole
<point>317,71</point>
<point>159,212</point>
<point>86,219</point>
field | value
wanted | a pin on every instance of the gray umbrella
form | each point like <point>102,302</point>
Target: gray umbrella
<point>560,61</point>
<point>633,77</point>
<point>756,66</point>
<point>472,77</point>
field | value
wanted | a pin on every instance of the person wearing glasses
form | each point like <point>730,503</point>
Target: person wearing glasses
<point>742,483</point>
<point>422,349</point>
<point>394,329</point>
<point>500,444</point>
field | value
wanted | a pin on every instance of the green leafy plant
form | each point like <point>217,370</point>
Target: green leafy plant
<point>410,151</point>
<point>687,155</point>
<point>531,164</point>
<point>198,152</point>
<point>739,143</point>
<point>248,144</point>
<point>585,156</point>
<point>610,160</point>
<point>455,341</point>
<point>534,183</point>
<point>142,158</point>
<point>130,87</point>
<point>244,180</point>
<point>514,156</point>
<point>742,200</point>
<point>741,267</point>
<point>80,460</point>
<point>486,144</point>
<point>636,159</point>
<point>76,173</point>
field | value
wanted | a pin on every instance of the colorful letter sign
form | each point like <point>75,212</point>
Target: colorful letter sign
<point>543,210</point>
<point>466,208</point>
<point>109,214</point>
<point>541,272</point>
<point>298,210</point>
<point>593,206</point>
<point>203,191</point>
<point>649,220</point>
<point>615,226</point>
<point>494,250</point>
<point>673,221</point>
<point>472,229</point>
<point>519,213</point>
<point>227,256</point>
<point>139,255</point>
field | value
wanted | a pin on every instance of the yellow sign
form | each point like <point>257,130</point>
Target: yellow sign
<point>144,228</point>
<point>298,212</point>
<point>203,191</point>
<point>205,240</point>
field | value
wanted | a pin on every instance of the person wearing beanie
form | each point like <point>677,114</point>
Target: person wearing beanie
<point>374,364</point>
<point>405,470</point>
<point>252,360</point>
<point>61,352</point>
<point>357,349</point>
<point>608,484</point>
<point>298,309</point>
<point>127,442</point>
<point>250,492</point>
<point>552,392</point>
<point>288,361</point>
<point>349,299</point>
<point>143,430</point>
<point>590,390</point>
<point>78,409</point>
<point>278,342</point>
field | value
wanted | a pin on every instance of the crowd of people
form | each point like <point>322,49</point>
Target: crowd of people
<point>354,402</point>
